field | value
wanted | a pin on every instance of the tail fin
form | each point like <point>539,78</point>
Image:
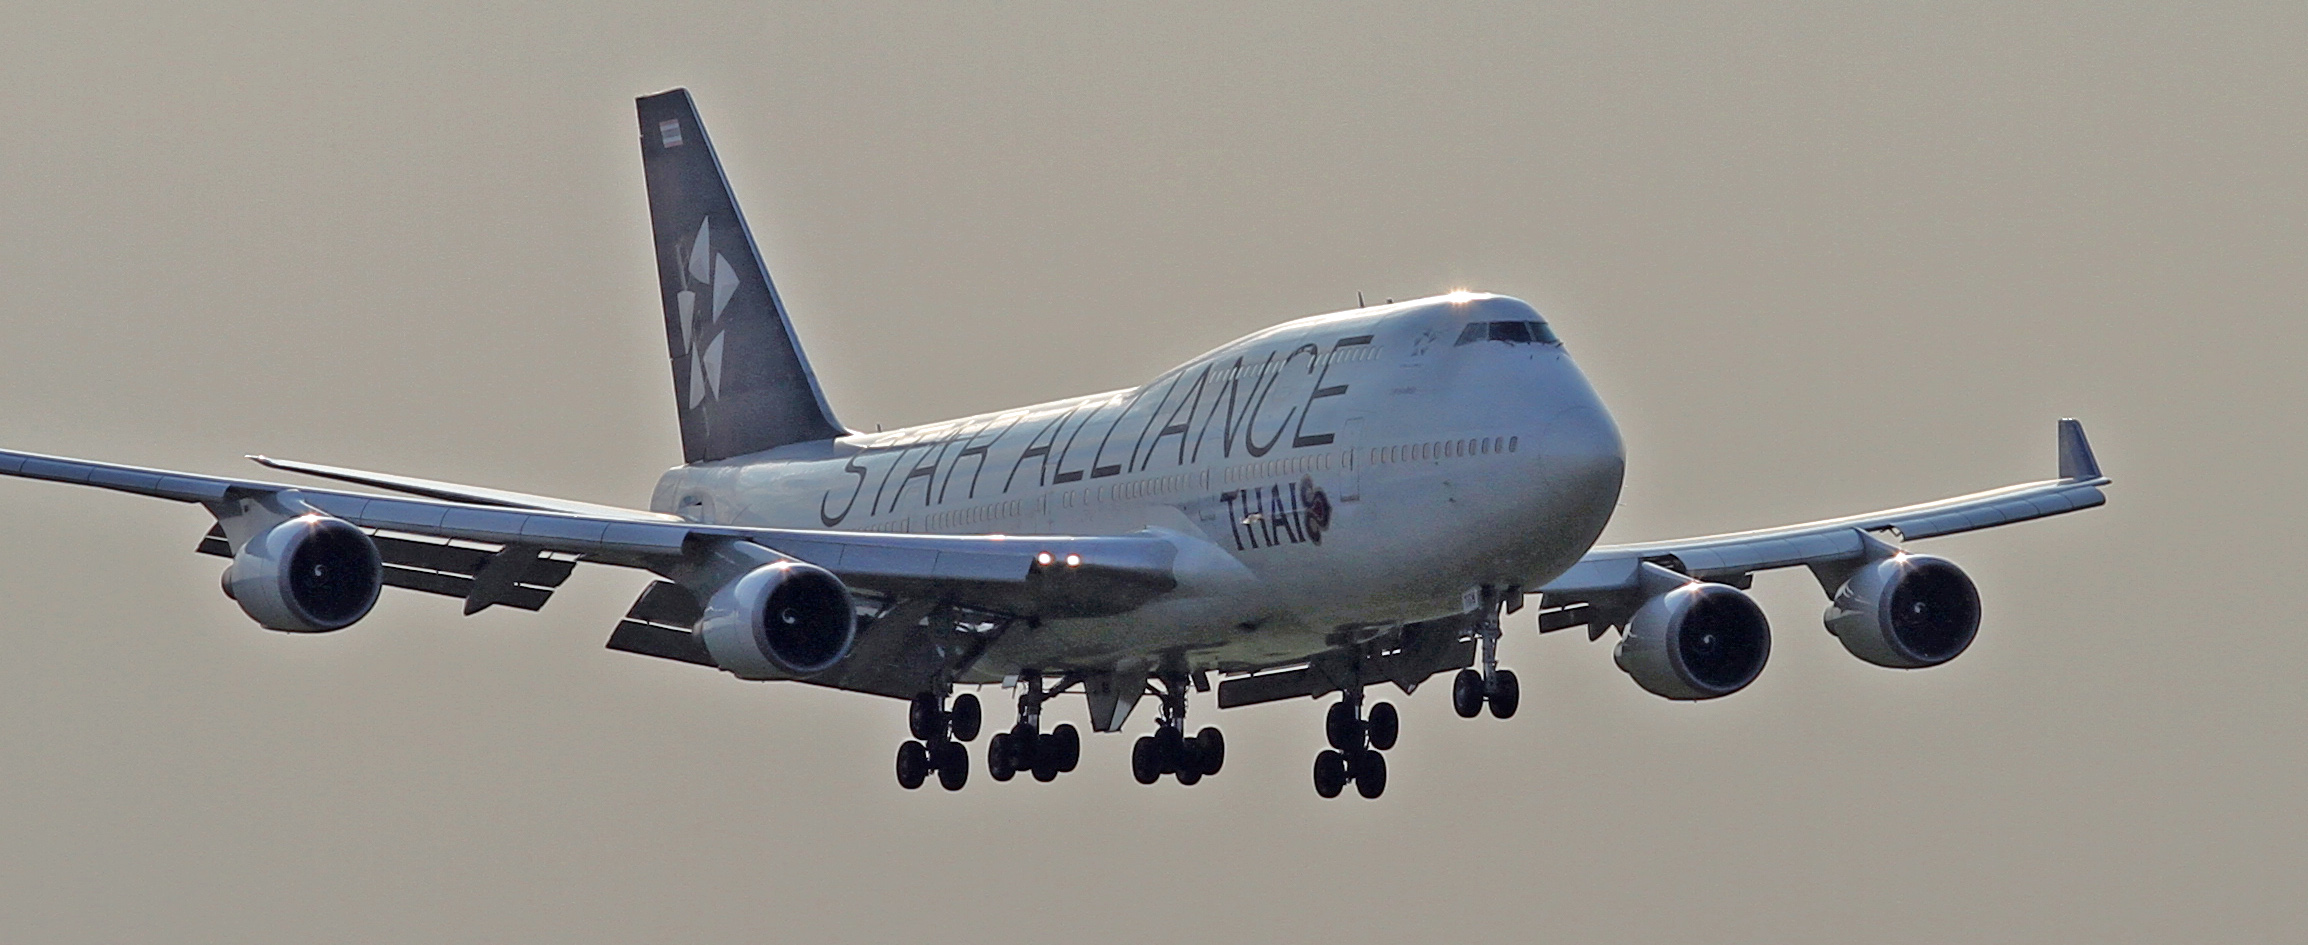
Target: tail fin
<point>740,380</point>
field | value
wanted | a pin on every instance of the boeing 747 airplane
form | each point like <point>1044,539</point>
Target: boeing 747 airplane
<point>1334,503</point>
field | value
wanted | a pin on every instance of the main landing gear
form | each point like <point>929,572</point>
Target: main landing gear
<point>937,743</point>
<point>1493,685</point>
<point>1169,750</point>
<point>1355,745</point>
<point>1025,747</point>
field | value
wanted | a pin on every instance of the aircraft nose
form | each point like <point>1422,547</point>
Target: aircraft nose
<point>1581,462</point>
<point>1582,451</point>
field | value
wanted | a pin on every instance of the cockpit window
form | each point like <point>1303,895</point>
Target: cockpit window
<point>1514,333</point>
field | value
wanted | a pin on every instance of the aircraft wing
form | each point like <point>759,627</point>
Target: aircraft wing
<point>429,544</point>
<point>468,495</point>
<point>1614,569</point>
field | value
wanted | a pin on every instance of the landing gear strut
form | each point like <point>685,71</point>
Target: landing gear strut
<point>1356,742</point>
<point>937,743</point>
<point>1169,750</point>
<point>1493,685</point>
<point>1025,747</point>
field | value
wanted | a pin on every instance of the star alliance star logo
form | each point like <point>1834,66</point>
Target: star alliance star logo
<point>702,331</point>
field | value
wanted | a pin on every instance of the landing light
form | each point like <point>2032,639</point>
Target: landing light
<point>1044,559</point>
<point>1073,561</point>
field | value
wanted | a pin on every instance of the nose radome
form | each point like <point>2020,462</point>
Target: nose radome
<point>1584,461</point>
<point>1583,435</point>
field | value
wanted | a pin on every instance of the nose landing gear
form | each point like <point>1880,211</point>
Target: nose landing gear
<point>1495,686</point>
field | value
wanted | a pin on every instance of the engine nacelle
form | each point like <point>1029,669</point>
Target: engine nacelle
<point>310,574</point>
<point>779,621</point>
<point>1906,612</point>
<point>1697,641</point>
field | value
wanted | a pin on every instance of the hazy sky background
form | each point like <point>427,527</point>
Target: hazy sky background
<point>1819,258</point>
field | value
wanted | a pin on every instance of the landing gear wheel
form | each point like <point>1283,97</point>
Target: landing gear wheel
<point>1329,773</point>
<point>953,765</point>
<point>1066,744</point>
<point>1145,760</point>
<point>913,765</point>
<point>1467,694</point>
<point>965,717</point>
<point>1342,728</point>
<point>1385,725</point>
<point>1025,746</point>
<point>1046,763</point>
<point>999,763</point>
<point>1189,762</point>
<point>924,719</point>
<point>1370,774</point>
<point>1169,748</point>
<point>1212,746</point>
<point>1505,694</point>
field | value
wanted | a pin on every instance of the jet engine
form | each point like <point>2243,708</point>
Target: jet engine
<point>1906,612</point>
<point>1697,641</point>
<point>779,621</point>
<point>310,574</point>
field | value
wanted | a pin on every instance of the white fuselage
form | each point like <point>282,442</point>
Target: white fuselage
<point>1325,479</point>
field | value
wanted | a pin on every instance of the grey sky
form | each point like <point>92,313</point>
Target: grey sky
<point>1818,260</point>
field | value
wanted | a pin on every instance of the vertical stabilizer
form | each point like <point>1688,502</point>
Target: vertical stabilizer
<point>740,381</point>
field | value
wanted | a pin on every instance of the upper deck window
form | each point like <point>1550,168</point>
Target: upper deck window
<point>1520,333</point>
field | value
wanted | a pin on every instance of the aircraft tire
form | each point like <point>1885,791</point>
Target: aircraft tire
<point>923,718</point>
<point>966,717</point>
<point>1329,773</point>
<point>1025,746</point>
<point>1467,694</point>
<point>953,765</point>
<point>1066,743</point>
<point>1169,748</point>
<point>913,765</point>
<point>1370,774</point>
<point>1212,746</point>
<point>999,761</point>
<point>1189,762</point>
<point>1506,694</point>
<point>1341,728</point>
<point>1385,726</point>
<point>1145,760</point>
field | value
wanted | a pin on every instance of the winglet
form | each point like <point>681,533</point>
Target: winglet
<point>2076,462</point>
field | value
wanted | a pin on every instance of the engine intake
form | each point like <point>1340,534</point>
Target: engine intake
<point>310,574</point>
<point>780,621</point>
<point>1697,641</point>
<point>1906,612</point>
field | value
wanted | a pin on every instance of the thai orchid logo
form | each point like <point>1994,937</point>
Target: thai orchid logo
<point>701,329</point>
